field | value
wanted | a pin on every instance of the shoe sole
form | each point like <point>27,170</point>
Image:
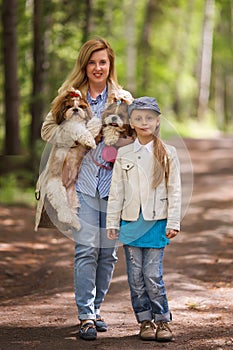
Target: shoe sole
<point>149,339</point>
<point>163,340</point>
<point>89,338</point>
<point>100,329</point>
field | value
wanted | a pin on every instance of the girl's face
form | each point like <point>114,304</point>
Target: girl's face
<point>98,67</point>
<point>144,122</point>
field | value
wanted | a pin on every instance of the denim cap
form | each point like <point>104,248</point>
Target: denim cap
<point>144,102</point>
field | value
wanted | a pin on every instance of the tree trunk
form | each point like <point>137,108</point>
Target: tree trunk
<point>131,52</point>
<point>206,59</point>
<point>144,45</point>
<point>11,89</point>
<point>87,23</point>
<point>37,103</point>
<point>219,90</point>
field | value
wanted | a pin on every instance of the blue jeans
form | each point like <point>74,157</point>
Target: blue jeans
<point>145,277</point>
<point>95,257</point>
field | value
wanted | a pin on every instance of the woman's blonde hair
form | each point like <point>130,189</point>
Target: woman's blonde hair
<point>78,77</point>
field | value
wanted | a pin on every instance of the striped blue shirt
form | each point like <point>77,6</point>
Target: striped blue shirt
<point>92,177</point>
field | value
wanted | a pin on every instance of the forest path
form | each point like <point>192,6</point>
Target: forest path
<point>38,310</point>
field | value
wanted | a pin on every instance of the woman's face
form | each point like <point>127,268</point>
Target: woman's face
<point>144,122</point>
<point>98,67</point>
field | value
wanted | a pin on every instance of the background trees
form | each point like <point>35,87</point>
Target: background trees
<point>179,51</point>
<point>10,68</point>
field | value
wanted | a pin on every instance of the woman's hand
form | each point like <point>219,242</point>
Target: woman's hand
<point>171,233</point>
<point>112,233</point>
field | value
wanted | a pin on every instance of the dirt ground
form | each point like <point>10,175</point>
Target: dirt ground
<point>37,308</point>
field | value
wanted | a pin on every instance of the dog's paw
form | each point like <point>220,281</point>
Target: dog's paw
<point>86,139</point>
<point>75,224</point>
<point>76,130</point>
<point>69,218</point>
<point>65,216</point>
<point>94,126</point>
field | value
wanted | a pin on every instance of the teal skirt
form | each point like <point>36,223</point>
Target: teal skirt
<point>144,234</point>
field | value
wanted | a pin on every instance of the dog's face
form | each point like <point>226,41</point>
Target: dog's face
<point>115,121</point>
<point>70,105</point>
<point>116,116</point>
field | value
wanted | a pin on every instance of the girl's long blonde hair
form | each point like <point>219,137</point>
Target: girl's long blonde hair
<point>161,161</point>
<point>78,77</point>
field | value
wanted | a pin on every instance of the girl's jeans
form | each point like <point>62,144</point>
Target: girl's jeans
<point>95,257</point>
<point>145,277</point>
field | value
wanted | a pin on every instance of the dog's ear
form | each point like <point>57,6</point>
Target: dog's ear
<point>88,112</point>
<point>59,116</point>
<point>123,113</point>
<point>110,109</point>
<point>57,107</point>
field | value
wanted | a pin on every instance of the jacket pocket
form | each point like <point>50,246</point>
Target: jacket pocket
<point>126,167</point>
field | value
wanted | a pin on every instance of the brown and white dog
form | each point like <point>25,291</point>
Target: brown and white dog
<point>115,122</point>
<point>72,113</point>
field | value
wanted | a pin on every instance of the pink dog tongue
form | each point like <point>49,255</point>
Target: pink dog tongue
<point>109,154</point>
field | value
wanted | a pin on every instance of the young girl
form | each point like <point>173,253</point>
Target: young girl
<point>143,211</point>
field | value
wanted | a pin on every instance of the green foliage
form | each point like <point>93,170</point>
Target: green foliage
<point>171,62</point>
<point>12,191</point>
<point>190,128</point>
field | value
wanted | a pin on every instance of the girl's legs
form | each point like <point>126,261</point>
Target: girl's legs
<point>139,297</point>
<point>154,284</point>
<point>148,294</point>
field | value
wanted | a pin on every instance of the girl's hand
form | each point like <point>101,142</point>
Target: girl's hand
<point>171,233</point>
<point>112,233</point>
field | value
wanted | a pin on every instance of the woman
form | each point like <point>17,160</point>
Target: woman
<point>145,205</point>
<point>95,255</point>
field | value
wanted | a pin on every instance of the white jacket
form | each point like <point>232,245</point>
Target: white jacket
<point>131,189</point>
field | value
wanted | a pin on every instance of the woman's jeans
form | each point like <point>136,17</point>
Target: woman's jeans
<point>95,257</point>
<point>145,277</point>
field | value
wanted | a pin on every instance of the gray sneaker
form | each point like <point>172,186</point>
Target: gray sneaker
<point>163,332</point>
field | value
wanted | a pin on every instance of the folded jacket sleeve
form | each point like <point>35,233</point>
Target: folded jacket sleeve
<point>116,197</point>
<point>174,192</point>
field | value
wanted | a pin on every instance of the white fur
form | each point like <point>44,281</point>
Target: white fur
<point>111,135</point>
<point>59,188</point>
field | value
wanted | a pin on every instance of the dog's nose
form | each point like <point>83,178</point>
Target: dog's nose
<point>114,119</point>
<point>75,110</point>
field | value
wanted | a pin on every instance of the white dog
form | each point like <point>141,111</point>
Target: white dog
<point>72,114</point>
<point>115,121</point>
